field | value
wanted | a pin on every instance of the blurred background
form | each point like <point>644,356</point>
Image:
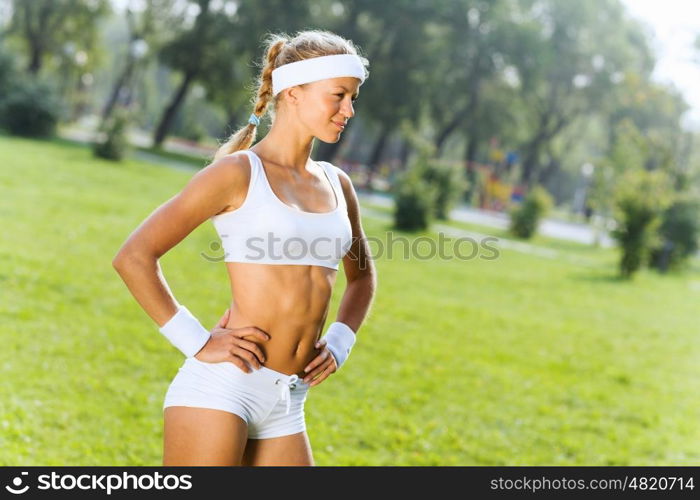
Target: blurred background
<point>569,132</point>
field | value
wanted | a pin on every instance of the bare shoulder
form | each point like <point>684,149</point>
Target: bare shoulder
<point>232,167</point>
<point>358,261</point>
<point>344,177</point>
<point>231,173</point>
<point>350,195</point>
<point>208,192</point>
<point>345,183</point>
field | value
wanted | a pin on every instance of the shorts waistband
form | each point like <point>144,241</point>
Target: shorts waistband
<point>264,378</point>
<point>277,377</point>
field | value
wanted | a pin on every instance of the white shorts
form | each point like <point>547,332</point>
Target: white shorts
<point>270,402</point>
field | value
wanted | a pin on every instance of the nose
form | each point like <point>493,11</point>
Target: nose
<point>347,110</point>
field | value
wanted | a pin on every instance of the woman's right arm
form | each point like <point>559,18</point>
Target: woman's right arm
<point>207,193</point>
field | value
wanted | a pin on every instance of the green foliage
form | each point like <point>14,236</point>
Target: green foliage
<point>8,72</point>
<point>192,130</point>
<point>679,233</point>
<point>55,27</point>
<point>627,153</point>
<point>115,144</point>
<point>640,198</point>
<point>525,218</point>
<point>414,200</point>
<point>31,108</point>
<point>8,79</point>
<point>450,184</point>
<point>652,112</point>
<point>447,182</point>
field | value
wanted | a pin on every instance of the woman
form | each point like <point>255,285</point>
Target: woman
<point>285,223</point>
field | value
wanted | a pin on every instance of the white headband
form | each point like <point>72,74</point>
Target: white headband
<point>316,68</point>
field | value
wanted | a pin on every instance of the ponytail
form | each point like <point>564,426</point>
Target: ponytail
<point>244,137</point>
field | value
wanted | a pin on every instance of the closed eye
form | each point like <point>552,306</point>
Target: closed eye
<point>341,96</point>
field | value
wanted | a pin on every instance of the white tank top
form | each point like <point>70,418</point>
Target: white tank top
<point>265,230</point>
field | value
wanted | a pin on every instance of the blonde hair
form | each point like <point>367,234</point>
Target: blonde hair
<point>281,49</point>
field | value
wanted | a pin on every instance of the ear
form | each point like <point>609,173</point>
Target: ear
<point>293,94</point>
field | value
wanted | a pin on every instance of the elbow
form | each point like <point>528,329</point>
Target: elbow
<point>125,260</point>
<point>120,264</point>
<point>121,259</point>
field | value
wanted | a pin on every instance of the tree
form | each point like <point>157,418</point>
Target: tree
<point>228,85</point>
<point>640,200</point>
<point>47,25</point>
<point>210,51</point>
<point>470,38</point>
<point>568,55</point>
<point>398,56</point>
<point>145,31</point>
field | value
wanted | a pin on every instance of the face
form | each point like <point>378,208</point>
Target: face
<point>323,107</point>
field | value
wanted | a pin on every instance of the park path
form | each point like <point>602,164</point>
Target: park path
<point>563,230</point>
<point>500,242</point>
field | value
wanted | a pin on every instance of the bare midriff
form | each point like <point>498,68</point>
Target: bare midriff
<point>288,302</point>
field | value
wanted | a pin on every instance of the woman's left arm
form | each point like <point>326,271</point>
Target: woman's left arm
<point>360,272</point>
<point>361,277</point>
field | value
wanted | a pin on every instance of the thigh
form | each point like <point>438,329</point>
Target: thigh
<point>202,436</point>
<point>294,449</point>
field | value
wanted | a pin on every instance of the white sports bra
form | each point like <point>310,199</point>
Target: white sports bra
<point>265,230</point>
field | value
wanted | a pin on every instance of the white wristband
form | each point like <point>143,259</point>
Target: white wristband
<point>185,332</point>
<point>340,339</point>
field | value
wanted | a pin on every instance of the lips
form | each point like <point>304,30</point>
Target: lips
<point>341,126</point>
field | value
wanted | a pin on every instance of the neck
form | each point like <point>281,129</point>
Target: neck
<point>286,144</point>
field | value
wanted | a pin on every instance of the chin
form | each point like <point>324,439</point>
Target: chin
<point>329,139</point>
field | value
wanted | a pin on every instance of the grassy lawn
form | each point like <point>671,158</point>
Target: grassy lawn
<point>518,360</point>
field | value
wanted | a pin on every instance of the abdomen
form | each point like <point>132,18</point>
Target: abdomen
<point>289,302</point>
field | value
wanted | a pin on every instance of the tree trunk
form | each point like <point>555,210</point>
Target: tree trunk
<point>122,92</point>
<point>123,81</point>
<point>549,128</point>
<point>404,154</point>
<point>472,127</point>
<point>34,35</point>
<point>472,148</point>
<point>447,131</point>
<point>171,110</point>
<point>553,166</point>
<point>231,126</point>
<point>375,157</point>
<point>530,162</point>
<point>35,59</point>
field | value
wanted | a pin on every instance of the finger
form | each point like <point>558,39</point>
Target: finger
<point>240,364</point>
<point>333,362</point>
<point>323,376</point>
<point>316,371</point>
<point>252,347</point>
<point>251,330</point>
<point>246,355</point>
<point>224,319</point>
<point>321,343</point>
<point>317,360</point>
<point>219,330</point>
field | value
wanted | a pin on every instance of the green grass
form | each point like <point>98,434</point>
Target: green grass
<point>521,360</point>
